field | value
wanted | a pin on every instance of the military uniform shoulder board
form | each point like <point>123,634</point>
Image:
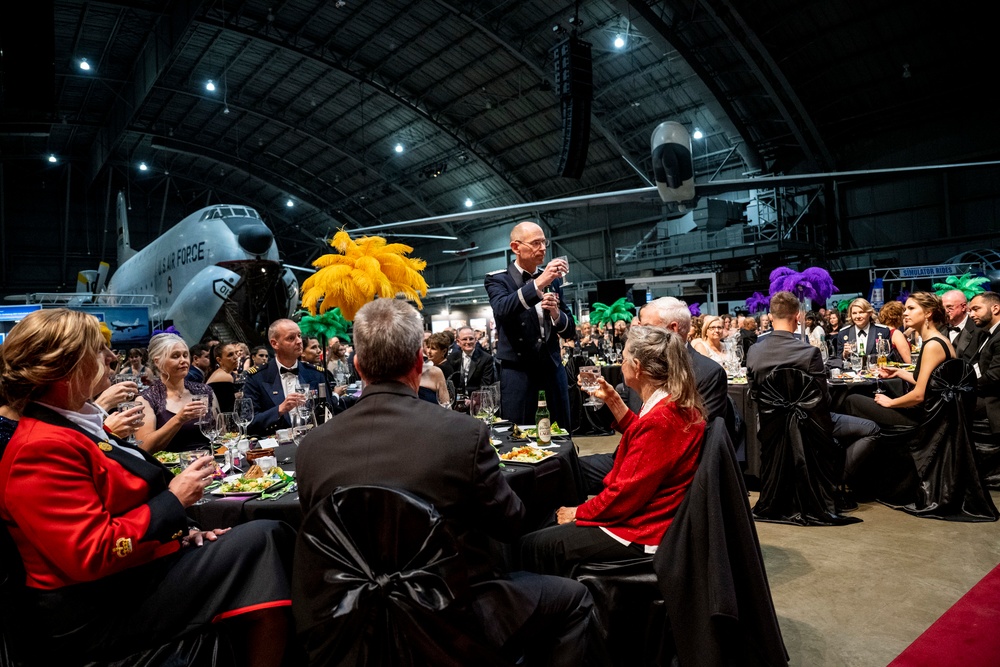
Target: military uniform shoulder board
<point>493,273</point>
<point>311,367</point>
<point>251,370</point>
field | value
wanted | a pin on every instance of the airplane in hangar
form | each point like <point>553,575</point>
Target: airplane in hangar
<point>125,326</point>
<point>215,272</point>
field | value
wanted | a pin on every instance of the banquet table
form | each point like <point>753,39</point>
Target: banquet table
<point>543,487</point>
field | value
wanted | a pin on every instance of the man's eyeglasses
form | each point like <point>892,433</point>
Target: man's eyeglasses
<point>536,244</point>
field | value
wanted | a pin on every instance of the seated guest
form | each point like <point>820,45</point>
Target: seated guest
<point>170,412</point>
<point>474,366</point>
<point>709,377</point>
<point>136,364</point>
<point>336,361</point>
<point>109,563</point>
<point>710,343</point>
<point>225,359</point>
<point>201,363</point>
<point>446,459</point>
<point>436,347</point>
<point>279,387</point>
<point>258,358</point>
<point>958,327</point>
<point>433,386</point>
<point>748,335</point>
<point>832,328</point>
<point>985,312</point>
<point>891,316</point>
<point>924,313</point>
<point>861,336</point>
<point>656,461</point>
<point>817,336</point>
<point>783,349</point>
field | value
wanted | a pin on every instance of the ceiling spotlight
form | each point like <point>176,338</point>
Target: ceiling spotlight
<point>52,158</point>
<point>619,42</point>
<point>226,110</point>
<point>143,167</point>
<point>697,134</point>
<point>339,4</point>
<point>289,203</point>
<point>84,65</point>
<point>906,71</point>
<point>399,148</point>
<point>469,203</point>
<point>210,86</point>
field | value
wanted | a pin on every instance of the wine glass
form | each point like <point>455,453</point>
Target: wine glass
<point>589,382</point>
<point>882,349</point>
<point>855,362</point>
<point>211,424</point>
<point>300,425</point>
<point>243,408</point>
<point>137,421</point>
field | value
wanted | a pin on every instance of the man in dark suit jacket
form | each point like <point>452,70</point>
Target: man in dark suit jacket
<point>473,365</point>
<point>985,311</point>
<point>862,329</point>
<point>445,458</point>
<point>272,388</point>
<point>530,318</point>
<point>961,330</point>
<point>782,349</point>
<point>710,377</point>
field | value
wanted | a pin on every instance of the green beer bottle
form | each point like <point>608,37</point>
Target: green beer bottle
<point>543,425</point>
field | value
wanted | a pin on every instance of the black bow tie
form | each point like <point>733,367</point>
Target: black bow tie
<point>527,276</point>
<point>293,371</point>
<point>956,329</point>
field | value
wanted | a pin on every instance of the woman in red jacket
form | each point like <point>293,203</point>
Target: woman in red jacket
<point>108,562</point>
<point>653,468</point>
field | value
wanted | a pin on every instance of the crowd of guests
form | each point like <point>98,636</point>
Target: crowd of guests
<point>112,523</point>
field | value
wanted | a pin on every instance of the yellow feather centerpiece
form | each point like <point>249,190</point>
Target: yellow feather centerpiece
<point>364,269</point>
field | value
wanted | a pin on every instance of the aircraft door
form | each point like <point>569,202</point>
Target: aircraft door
<point>199,302</point>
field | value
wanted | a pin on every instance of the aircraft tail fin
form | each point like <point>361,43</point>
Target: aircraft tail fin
<point>102,276</point>
<point>125,250</point>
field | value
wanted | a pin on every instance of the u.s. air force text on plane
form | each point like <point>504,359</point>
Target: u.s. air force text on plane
<point>183,255</point>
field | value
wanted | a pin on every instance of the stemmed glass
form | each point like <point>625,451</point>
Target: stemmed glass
<point>211,425</point>
<point>231,424</point>
<point>243,408</point>
<point>589,382</point>
<point>882,347</point>
<point>856,362</point>
<point>137,421</point>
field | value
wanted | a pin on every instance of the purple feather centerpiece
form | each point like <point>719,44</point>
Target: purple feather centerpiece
<point>814,283</point>
<point>757,303</point>
<point>695,309</point>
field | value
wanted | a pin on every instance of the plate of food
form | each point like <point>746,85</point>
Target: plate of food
<point>526,454</point>
<point>253,482</point>
<point>737,380</point>
<point>168,458</point>
<point>531,432</point>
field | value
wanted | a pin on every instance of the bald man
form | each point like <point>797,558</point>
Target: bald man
<point>531,317</point>
<point>960,329</point>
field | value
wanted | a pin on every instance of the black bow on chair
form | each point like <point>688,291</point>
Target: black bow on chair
<point>800,464</point>
<point>378,580</point>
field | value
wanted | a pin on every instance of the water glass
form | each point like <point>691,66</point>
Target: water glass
<point>589,382</point>
<point>136,421</point>
<point>563,274</point>
<point>243,408</point>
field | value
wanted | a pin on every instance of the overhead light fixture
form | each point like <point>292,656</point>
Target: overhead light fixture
<point>399,148</point>
<point>84,65</point>
<point>210,86</point>
<point>143,167</point>
<point>469,203</point>
<point>226,110</point>
<point>52,158</point>
<point>697,134</point>
<point>619,42</point>
<point>289,203</point>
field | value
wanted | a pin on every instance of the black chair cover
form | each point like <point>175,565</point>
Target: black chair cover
<point>800,464</point>
<point>711,570</point>
<point>378,580</point>
<point>225,395</point>
<point>949,485</point>
<point>987,453</point>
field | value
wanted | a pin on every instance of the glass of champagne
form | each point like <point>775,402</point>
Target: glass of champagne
<point>589,379</point>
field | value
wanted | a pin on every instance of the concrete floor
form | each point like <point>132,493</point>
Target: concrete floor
<point>856,596</point>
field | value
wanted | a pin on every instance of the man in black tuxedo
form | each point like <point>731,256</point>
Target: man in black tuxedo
<point>862,334</point>
<point>473,365</point>
<point>530,318</point>
<point>272,387</point>
<point>710,377</point>
<point>782,349</point>
<point>965,336</point>
<point>985,312</point>
<point>445,458</point>
<point>201,363</point>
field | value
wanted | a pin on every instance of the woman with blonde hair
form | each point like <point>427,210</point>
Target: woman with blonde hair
<point>107,563</point>
<point>653,468</point>
<point>172,404</point>
<point>891,316</point>
<point>710,343</point>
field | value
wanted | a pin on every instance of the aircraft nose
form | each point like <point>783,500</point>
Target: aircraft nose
<point>255,239</point>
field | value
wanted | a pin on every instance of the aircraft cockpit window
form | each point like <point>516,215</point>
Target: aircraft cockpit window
<point>241,212</point>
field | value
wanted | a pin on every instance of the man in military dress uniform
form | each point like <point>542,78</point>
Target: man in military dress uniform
<point>272,388</point>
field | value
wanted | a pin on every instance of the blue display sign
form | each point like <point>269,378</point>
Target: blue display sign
<point>128,324</point>
<point>17,313</point>
<point>928,271</point>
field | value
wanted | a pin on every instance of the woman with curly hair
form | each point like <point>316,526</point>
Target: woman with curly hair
<point>891,316</point>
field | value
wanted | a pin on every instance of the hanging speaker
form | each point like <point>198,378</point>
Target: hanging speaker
<point>575,87</point>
